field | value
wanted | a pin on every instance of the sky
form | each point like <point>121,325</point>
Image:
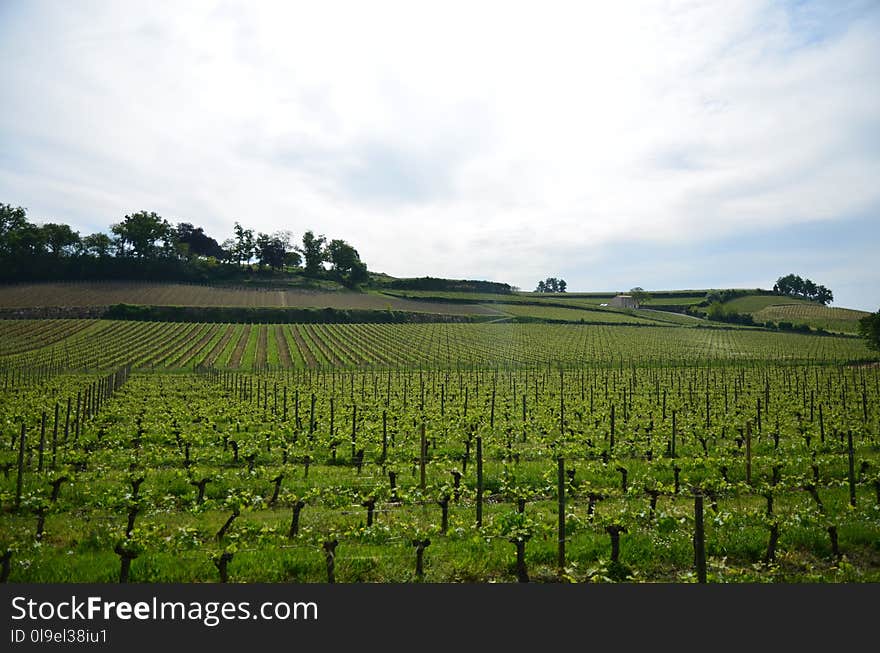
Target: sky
<point>613,144</point>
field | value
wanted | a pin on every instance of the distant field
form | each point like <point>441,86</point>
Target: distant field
<point>574,307</point>
<point>567,307</point>
<point>593,299</point>
<point>843,320</point>
<point>674,301</point>
<point>508,298</point>
<point>575,314</point>
<point>675,318</point>
<point>754,303</point>
<point>174,294</point>
<point>110,344</point>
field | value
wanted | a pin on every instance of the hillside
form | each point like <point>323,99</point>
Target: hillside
<point>796,312</point>
<point>285,304</point>
<point>211,303</point>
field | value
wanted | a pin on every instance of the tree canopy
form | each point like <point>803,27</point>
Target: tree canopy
<point>639,295</point>
<point>346,262</point>
<point>551,284</point>
<point>138,234</point>
<point>794,285</point>
<point>313,252</point>
<point>869,329</point>
<point>145,245</point>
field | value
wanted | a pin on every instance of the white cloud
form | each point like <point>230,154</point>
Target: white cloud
<point>461,139</point>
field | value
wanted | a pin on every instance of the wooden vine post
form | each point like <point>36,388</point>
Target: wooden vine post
<point>55,435</point>
<point>699,537</point>
<point>20,477</point>
<point>423,454</point>
<point>611,440</point>
<point>749,452</point>
<point>42,445</point>
<point>354,412</point>
<point>384,435</point>
<point>560,491</point>
<point>851,469</point>
<point>479,482</point>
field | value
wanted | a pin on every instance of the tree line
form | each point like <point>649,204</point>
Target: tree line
<point>795,286</point>
<point>146,245</point>
<point>551,284</point>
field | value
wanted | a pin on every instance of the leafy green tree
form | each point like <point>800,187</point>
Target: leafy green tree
<point>639,295</point>
<point>244,244</point>
<point>716,311</point>
<point>869,329</point>
<point>18,237</point>
<point>138,234</point>
<point>28,241</point>
<point>795,286</point>
<point>197,242</point>
<point>313,252</point>
<point>270,251</point>
<point>341,255</point>
<point>346,262</point>
<point>809,288</point>
<point>551,284</point>
<point>98,245</point>
<point>823,295</point>
<point>12,221</point>
<point>60,239</point>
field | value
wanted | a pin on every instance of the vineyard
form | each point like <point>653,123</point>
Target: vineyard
<point>178,294</point>
<point>842,320</point>
<point>35,348</point>
<point>187,452</point>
